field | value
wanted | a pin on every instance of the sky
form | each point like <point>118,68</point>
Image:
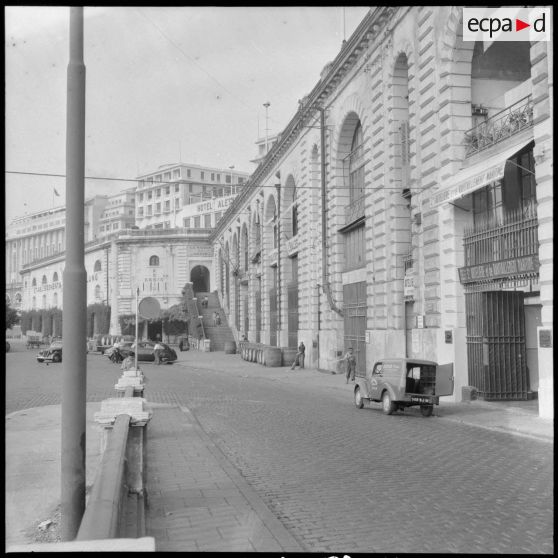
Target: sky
<point>163,85</point>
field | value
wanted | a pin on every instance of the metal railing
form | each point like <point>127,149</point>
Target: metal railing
<point>502,125</point>
<point>355,210</point>
<point>514,236</point>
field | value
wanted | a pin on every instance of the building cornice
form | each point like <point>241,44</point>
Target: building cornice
<point>367,31</point>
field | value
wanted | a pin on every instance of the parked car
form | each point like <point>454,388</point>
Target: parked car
<point>145,350</point>
<point>403,382</point>
<point>53,353</point>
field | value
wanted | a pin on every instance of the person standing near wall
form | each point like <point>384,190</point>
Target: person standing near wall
<point>350,360</point>
<point>299,358</point>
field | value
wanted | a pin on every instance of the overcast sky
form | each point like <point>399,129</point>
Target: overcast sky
<point>163,85</point>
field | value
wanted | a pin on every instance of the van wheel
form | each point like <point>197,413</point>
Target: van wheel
<point>359,401</point>
<point>426,410</point>
<point>388,406</point>
<point>56,358</point>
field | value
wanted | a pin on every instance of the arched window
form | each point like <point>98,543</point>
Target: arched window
<point>55,299</point>
<point>34,302</point>
<point>18,298</point>
<point>55,277</point>
<point>97,266</point>
<point>97,292</point>
<point>154,260</point>
<point>44,301</point>
<point>44,281</point>
<point>34,282</point>
<point>356,166</point>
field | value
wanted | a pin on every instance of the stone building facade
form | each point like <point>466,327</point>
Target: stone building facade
<point>159,263</point>
<point>406,210</point>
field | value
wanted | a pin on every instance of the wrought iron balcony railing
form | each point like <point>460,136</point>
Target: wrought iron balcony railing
<point>502,125</point>
<point>354,211</point>
<point>513,237</point>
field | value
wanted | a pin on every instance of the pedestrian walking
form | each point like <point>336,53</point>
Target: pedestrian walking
<point>299,358</point>
<point>205,302</point>
<point>214,318</point>
<point>350,360</point>
<point>218,318</point>
<point>157,352</point>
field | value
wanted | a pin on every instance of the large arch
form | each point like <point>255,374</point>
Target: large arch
<point>199,277</point>
<point>351,160</point>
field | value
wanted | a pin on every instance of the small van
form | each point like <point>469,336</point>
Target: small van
<point>403,382</point>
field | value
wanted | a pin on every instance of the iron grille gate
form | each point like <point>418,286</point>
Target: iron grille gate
<point>258,310</point>
<point>496,344</point>
<point>292,299</point>
<point>273,316</point>
<point>354,303</point>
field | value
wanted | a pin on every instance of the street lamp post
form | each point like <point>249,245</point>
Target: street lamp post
<point>73,442</point>
<point>267,104</point>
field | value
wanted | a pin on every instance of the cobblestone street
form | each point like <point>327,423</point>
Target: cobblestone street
<point>342,478</point>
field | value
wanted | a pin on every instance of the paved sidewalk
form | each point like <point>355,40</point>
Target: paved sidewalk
<point>32,472</point>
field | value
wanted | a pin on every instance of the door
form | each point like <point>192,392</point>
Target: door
<point>354,302</point>
<point>496,345</point>
<point>444,379</point>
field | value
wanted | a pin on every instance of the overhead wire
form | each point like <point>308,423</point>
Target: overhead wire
<point>190,181</point>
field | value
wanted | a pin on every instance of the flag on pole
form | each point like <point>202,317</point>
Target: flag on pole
<point>56,192</point>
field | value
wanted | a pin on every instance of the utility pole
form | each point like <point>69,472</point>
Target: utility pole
<point>74,293</point>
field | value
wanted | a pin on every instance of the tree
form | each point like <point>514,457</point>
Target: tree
<point>12,317</point>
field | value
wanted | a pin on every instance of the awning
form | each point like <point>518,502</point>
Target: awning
<point>472,178</point>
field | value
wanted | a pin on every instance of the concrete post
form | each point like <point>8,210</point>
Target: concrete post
<point>75,293</point>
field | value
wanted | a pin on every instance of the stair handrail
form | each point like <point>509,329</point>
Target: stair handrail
<point>200,317</point>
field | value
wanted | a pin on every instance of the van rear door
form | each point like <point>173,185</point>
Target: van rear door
<point>444,379</point>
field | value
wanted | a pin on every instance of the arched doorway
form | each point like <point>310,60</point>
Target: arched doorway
<point>199,276</point>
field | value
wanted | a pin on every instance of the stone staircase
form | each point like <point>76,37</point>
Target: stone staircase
<point>217,334</point>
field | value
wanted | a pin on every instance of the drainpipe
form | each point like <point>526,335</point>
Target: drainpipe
<point>325,282</point>
<point>278,187</point>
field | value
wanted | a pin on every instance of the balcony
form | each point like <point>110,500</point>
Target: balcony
<point>292,245</point>
<point>499,127</point>
<point>501,248</point>
<point>354,211</point>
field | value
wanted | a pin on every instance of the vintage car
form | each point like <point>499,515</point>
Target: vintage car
<point>146,351</point>
<point>403,382</point>
<point>53,353</point>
